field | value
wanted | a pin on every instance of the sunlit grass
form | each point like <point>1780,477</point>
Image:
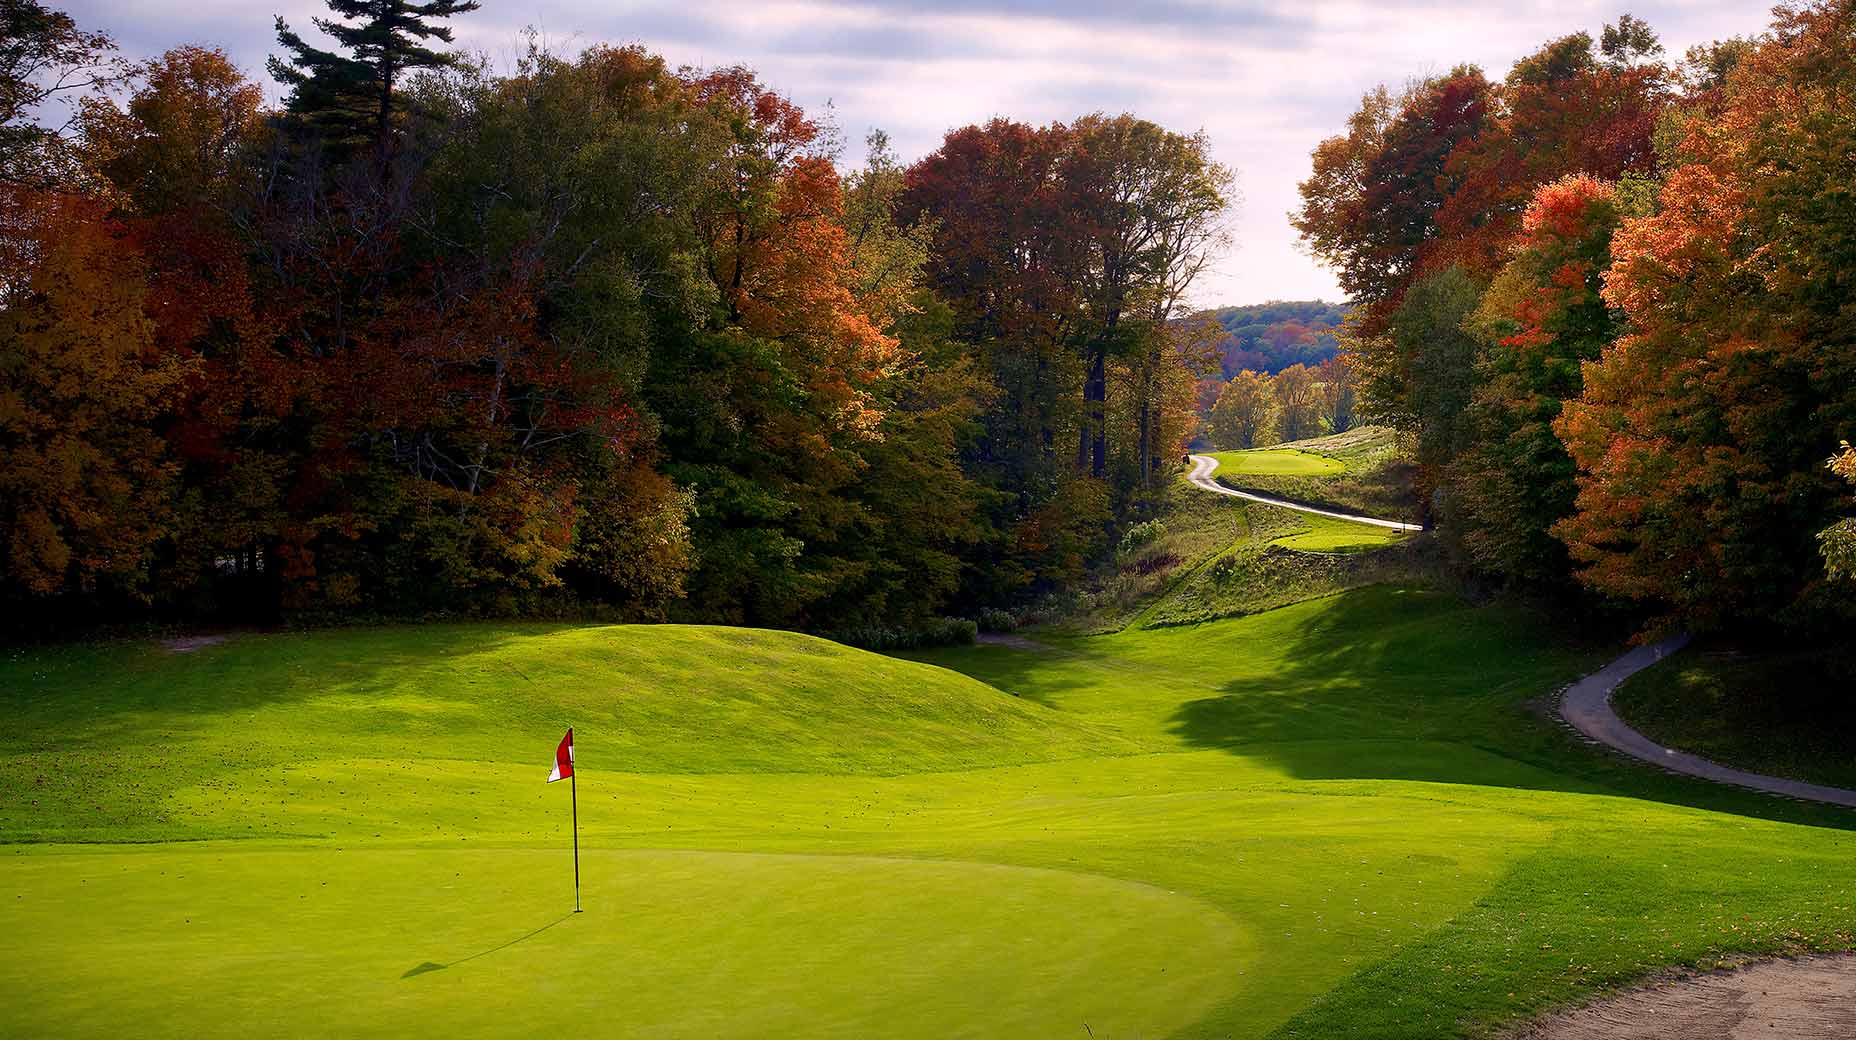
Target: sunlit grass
<point>1278,461</point>
<point>1335,819</point>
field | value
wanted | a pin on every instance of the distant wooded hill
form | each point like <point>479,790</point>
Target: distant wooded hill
<point>1269,337</point>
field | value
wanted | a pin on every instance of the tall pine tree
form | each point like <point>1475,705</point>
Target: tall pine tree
<point>350,97</point>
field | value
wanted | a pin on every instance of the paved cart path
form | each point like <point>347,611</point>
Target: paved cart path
<point>1587,706</point>
<point>1201,477</point>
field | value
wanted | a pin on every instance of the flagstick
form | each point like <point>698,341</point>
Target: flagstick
<point>574,795</point>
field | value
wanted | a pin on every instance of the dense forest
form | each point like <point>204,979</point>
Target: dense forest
<point>592,334</point>
<point>1269,337</point>
<point>588,334</point>
<point>1613,299</point>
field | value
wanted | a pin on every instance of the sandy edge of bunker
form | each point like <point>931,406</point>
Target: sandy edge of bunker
<point>1792,998</point>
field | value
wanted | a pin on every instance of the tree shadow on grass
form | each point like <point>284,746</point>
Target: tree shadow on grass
<point>428,967</point>
<point>1020,672</point>
<point>1385,684</point>
<point>95,692</point>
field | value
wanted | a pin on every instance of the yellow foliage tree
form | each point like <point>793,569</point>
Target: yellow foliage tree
<point>86,482</point>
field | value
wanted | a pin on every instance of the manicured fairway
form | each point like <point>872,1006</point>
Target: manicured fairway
<point>1278,461</point>
<point>1325,534</point>
<point>1336,819</point>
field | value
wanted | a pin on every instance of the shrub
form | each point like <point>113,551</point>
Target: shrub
<point>1139,536</point>
<point>940,632</point>
<point>992,619</point>
<point>1156,563</point>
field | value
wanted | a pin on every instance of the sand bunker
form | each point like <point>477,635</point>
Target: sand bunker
<point>1809,998</point>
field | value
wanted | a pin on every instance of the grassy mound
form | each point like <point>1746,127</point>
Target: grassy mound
<point>102,740</point>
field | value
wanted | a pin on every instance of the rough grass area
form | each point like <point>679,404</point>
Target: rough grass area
<point>1361,471</point>
<point>1220,556</point>
<point>1337,819</point>
<point>1253,578</point>
<point>1785,713</point>
<point>1197,527</point>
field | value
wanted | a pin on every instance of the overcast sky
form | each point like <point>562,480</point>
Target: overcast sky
<point>1266,79</point>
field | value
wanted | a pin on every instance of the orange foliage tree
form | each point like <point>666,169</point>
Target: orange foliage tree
<point>1700,435</point>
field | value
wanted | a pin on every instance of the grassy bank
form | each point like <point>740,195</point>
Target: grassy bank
<point>1782,712</point>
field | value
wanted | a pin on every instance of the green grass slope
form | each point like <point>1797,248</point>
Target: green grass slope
<point>1277,462</point>
<point>100,739</point>
<point>1326,534</point>
<point>1336,819</point>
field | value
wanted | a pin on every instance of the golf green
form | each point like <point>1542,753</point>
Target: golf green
<point>1278,461</point>
<point>673,944</point>
<point>1342,818</point>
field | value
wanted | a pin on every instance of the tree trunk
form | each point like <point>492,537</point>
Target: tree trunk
<point>1092,444</point>
<point>1147,466</point>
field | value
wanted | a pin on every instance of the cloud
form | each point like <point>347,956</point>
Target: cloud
<point>1266,79</point>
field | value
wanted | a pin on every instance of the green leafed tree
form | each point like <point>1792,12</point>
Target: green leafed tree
<point>1437,363</point>
<point>1838,541</point>
<point>1298,403</point>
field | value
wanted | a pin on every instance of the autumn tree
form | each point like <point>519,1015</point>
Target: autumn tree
<point>47,63</point>
<point>1561,112</point>
<point>1242,416</point>
<point>1297,403</point>
<point>1539,322</point>
<point>1008,259</point>
<point>181,144</point>
<point>534,410</point>
<point>86,481</point>
<point>1838,541</point>
<point>1698,435</point>
<point>1369,207</point>
<point>177,162</point>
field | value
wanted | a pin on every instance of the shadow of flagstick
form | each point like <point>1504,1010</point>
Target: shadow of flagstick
<point>431,966</point>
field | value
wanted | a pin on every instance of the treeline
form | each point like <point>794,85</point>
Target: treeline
<point>592,334</point>
<point>1253,410</point>
<point>1610,295</point>
<point>1269,337</point>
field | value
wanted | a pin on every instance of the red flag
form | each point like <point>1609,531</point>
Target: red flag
<point>563,758</point>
